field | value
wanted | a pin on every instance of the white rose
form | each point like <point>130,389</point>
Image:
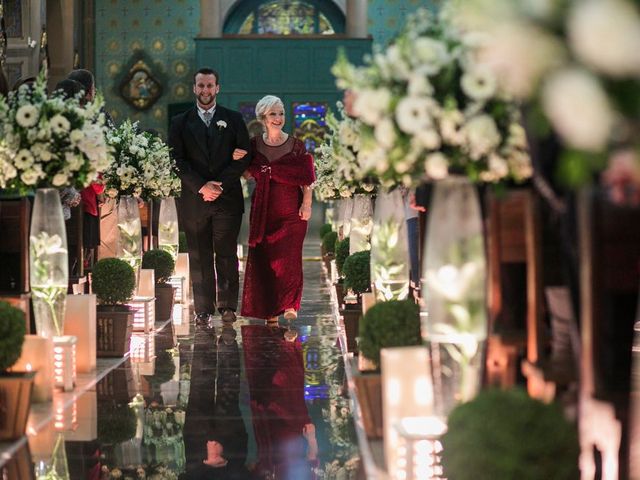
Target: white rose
<point>370,105</point>
<point>399,68</point>
<point>59,179</point>
<point>520,165</point>
<point>436,166</point>
<point>450,123</point>
<point>498,166</point>
<point>76,135</point>
<point>419,86</point>
<point>482,136</point>
<point>429,139</point>
<point>412,114</point>
<point>45,155</point>
<point>29,177</point>
<point>346,134</point>
<point>112,193</point>
<point>578,109</point>
<point>429,54</point>
<point>385,133</point>
<point>59,124</point>
<point>27,116</point>
<point>605,34</point>
<point>517,136</point>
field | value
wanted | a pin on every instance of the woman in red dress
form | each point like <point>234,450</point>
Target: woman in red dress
<point>280,209</point>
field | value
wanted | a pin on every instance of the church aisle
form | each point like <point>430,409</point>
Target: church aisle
<point>255,402</point>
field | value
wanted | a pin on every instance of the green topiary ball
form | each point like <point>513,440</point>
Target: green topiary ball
<point>164,371</point>
<point>510,436</point>
<point>395,323</point>
<point>116,423</point>
<point>357,272</point>
<point>113,281</point>
<point>182,243</point>
<point>329,242</point>
<point>12,331</point>
<point>342,252</point>
<point>161,262</point>
<point>324,229</point>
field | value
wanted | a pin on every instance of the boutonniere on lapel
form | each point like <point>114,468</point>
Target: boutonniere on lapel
<point>221,124</point>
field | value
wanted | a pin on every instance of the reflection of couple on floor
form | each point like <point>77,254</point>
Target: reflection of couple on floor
<point>216,438</point>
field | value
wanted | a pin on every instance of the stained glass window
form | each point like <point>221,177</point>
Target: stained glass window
<point>286,17</point>
<point>309,123</point>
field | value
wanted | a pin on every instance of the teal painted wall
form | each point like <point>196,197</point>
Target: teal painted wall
<point>386,17</point>
<point>164,30</point>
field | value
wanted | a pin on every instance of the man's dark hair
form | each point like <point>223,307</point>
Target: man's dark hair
<point>23,81</point>
<point>68,88</point>
<point>85,77</point>
<point>206,71</point>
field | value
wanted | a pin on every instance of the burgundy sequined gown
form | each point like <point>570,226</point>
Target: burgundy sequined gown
<point>273,276</point>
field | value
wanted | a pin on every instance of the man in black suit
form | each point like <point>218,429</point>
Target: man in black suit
<point>203,141</point>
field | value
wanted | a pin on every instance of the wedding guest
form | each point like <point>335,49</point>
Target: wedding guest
<point>280,210</point>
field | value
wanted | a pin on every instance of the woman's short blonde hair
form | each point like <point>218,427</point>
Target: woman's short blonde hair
<point>265,104</point>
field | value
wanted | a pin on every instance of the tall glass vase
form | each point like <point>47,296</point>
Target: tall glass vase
<point>168,234</point>
<point>454,317</point>
<point>48,263</point>
<point>130,230</point>
<point>57,468</point>
<point>361,224</point>
<point>345,208</point>
<point>390,248</point>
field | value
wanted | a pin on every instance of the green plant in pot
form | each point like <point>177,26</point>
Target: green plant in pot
<point>508,435</point>
<point>162,263</point>
<point>357,272</point>
<point>341,252</point>
<point>113,282</point>
<point>15,387</point>
<point>324,229</point>
<point>329,243</point>
<point>395,323</point>
<point>116,422</point>
<point>182,243</point>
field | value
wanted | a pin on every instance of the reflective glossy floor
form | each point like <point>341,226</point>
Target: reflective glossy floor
<point>240,401</point>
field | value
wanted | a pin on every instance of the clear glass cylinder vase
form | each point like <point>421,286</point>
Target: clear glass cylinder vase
<point>330,214</point>
<point>130,231</point>
<point>168,233</point>
<point>57,468</point>
<point>345,207</point>
<point>454,317</point>
<point>361,224</point>
<point>48,263</point>
<point>390,248</point>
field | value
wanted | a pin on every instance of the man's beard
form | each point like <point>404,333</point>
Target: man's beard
<point>201,100</point>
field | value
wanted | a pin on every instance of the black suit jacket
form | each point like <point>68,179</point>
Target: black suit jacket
<point>202,156</point>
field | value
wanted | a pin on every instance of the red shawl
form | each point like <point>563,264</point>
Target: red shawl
<point>294,168</point>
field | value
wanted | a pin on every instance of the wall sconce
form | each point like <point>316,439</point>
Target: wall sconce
<point>144,313</point>
<point>419,448</point>
<point>64,362</point>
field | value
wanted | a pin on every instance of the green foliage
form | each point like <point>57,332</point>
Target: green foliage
<point>329,242</point>
<point>342,252</point>
<point>324,229</point>
<point>357,271</point>
<point>507,435</point>
<point>395,323</point>
<point>116,423</point>
<point>12,331</point>
<point>113,281</point>
<point>161,262</point>
<point>164,371</point>
<point>182,243</point>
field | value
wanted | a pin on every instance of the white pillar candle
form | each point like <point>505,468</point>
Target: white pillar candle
<point>37,355</point>
<point>80,321</point>
<point>406,392</point>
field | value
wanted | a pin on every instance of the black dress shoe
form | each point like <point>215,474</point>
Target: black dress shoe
<point>228,315</point>
<point>202,319</point>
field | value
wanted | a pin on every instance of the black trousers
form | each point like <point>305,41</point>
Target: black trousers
<point>212,240</point>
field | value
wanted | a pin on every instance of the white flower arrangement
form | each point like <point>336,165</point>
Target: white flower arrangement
<point>142,167</point>
<point>221,124</point>
<point>427,105</point>
<point>575,64</point>
<point>49,141</point>
<point>335,160</point>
